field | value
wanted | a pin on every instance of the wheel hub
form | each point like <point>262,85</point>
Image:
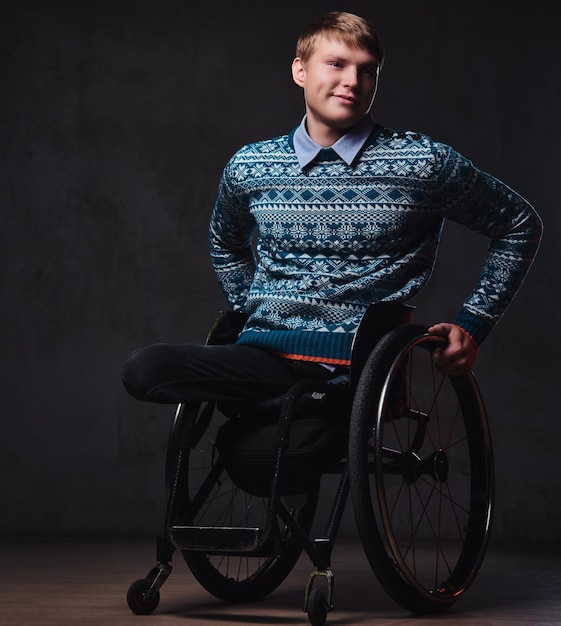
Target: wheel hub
<point>435,465</point>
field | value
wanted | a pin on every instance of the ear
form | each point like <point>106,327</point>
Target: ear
<point>298,72</point>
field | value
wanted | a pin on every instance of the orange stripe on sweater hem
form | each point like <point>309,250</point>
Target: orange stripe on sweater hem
<point>314,359</point>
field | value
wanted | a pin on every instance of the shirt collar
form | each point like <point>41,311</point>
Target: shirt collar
<point>347,146</point>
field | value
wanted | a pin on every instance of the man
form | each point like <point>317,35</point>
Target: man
<point>345,212</point>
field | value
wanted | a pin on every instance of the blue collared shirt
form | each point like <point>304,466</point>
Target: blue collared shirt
<point>347,146</point>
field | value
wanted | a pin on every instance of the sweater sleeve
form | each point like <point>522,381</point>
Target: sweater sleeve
<point>230,234</point>
<point>487,206</point>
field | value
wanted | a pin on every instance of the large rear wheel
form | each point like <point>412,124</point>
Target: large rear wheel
<point>421,472</point>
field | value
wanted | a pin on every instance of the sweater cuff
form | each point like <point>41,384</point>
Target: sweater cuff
<point>477,327</point>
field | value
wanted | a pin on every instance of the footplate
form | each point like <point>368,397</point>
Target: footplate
<point>221,540</point>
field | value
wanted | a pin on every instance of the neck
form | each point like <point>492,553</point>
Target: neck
<point>323,135</point>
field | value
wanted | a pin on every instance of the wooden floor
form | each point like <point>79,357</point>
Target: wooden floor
<point>59,581</point>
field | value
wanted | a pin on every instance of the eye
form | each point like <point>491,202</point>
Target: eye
<point>371,71</point>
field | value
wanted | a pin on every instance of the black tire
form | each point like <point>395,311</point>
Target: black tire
<point>235,578</point>
<point>421,473</point>
<point>317,607</point>
<point>137,598</point>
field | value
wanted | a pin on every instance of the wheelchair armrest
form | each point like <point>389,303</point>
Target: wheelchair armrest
<point>226,328</point>
<point>379,319</point>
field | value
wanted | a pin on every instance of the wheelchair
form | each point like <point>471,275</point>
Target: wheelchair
<point>413,450</point>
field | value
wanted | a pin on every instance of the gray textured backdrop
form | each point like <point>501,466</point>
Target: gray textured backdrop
<point>116,119</point>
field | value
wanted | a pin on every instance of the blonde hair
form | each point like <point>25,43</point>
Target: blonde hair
<point>347,27</point>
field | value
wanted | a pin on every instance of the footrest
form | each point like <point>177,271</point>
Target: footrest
<point>219,539</point>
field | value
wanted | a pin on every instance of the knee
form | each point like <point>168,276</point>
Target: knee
<point>139,372</point>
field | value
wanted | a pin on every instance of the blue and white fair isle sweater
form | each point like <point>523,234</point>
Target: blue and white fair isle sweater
<point>332,238</point>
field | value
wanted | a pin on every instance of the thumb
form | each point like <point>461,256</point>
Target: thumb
<point>441,329</point>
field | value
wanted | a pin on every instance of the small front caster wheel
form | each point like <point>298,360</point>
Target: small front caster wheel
<point>138,600</point>
<point>317,607</point>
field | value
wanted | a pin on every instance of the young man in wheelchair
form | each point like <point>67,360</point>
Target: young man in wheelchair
<point>346,213</point>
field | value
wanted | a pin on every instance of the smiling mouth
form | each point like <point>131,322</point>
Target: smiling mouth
<point>346,98</point>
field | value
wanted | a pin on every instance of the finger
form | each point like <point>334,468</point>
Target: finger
<point>441,330</point>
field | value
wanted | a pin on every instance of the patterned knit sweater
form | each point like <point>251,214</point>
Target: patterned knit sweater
<point>330,239</point>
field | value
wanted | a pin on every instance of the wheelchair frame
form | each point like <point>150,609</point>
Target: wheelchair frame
<point>418,467</point>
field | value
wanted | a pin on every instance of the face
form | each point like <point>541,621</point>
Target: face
<point>339,83</point>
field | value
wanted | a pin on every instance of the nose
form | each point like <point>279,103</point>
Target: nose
<point>350,77</point>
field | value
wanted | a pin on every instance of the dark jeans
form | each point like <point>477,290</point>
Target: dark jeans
<point>182,373</point>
